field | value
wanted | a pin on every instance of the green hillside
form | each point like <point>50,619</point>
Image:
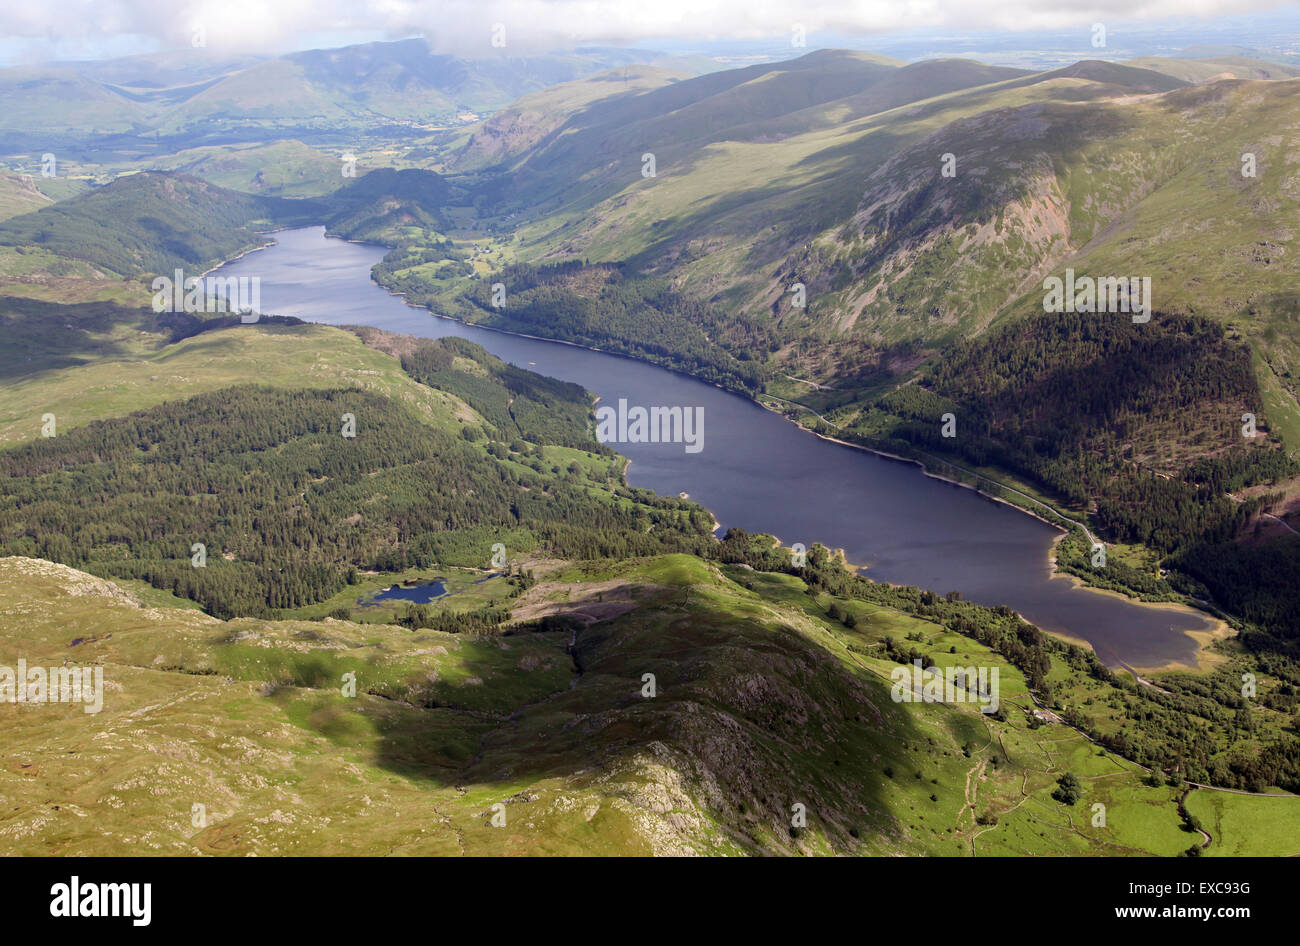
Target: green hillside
<point>761,703</point>
<point>845,194</point>
<point>281,169</point>
<point>598,151</point>
<point>1214,68</point>
<point>524,124</point>
<point>293,506</point>
<point>385,204</point>
<point>60,103</point>
<point>152,222</point>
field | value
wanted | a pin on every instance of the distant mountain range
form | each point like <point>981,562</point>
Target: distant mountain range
<point>166,102</point>
<point>199,98</point>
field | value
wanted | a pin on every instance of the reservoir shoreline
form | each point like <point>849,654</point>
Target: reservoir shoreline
<point>768,476</point>
<point>1219,629</point>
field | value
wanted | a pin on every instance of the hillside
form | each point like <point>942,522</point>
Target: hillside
<point>843,191</point>
<point>384,204</point>
<point>156,221</point>
<point>282,169</point>
<point>1211,69</point>
<point>443,479</point>
<point>18,195</point>
<point>152,222</point>
<point>762,702</point>
<point>525,124</point>
<point>59,103</point>
<point>755,165</point>
<point>601,146</point>
<point>827,171</point>
<point>1099,167</point>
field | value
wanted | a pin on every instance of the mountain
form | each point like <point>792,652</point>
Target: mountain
<point>1116,78</point>
<point>280,169</point>
<point>771,728</point>
<point>152,222</point>
<point>383,204</point>
<point>391,77</point>
<point>336,94</point>
<point>759,171</point>
<point>1096,165</point>
<point>61,102</point>
<point>907,231</point>
<point>524,124</point>
<point>157,221</point>
<point>759,707</point>
<point>756,104</point>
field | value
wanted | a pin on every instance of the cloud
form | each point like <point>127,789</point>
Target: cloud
<point>466,26</point>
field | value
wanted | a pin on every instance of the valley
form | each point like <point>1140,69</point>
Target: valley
<point>754,472</point>
<point>384,560</point>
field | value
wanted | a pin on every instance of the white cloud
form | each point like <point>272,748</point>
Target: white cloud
<point>464,26</point>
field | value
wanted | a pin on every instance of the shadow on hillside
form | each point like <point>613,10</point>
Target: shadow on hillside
<point>42,336</point>
<point>753,718</point>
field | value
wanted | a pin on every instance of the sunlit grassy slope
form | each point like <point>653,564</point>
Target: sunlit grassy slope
<point>18,195</point>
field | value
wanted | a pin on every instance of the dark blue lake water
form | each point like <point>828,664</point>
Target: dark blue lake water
<point>418,594</point>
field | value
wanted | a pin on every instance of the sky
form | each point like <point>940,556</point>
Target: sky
<point>96,29</point>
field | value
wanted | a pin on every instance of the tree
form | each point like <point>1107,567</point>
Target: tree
<point>1068,790</point>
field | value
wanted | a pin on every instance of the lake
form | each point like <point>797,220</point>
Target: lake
<point>756,470</point>
<point>416,594</point>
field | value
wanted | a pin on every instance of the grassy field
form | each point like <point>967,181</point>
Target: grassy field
<point>1248,825</point>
